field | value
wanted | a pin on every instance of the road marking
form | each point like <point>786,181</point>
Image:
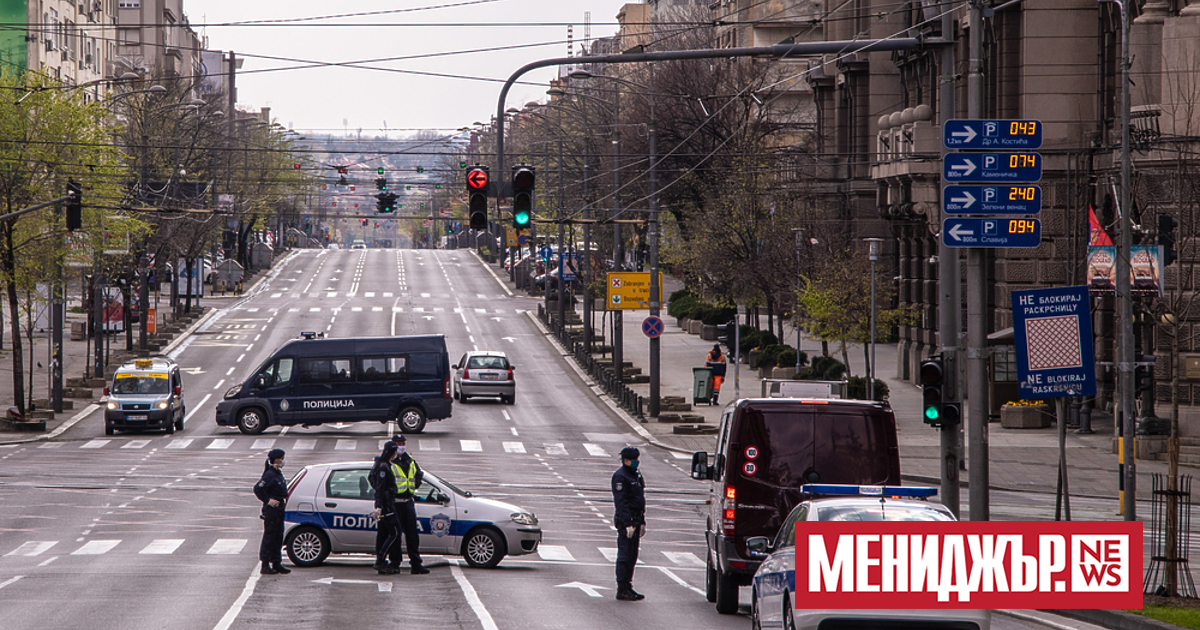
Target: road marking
<point>262,445</point>
<point>33,548</point>
<point>514,447</point>
<point>376,309</point>
<point>418,309</point>
<point>555,448</point>
<point>51,445</point>
<point>555,552</point>
<point>196,408</point>
<point>164,547</point>
<point>305,445</point>
<point>331,294</point>
<point>96,547</point>
<point>473,598</point>
<point>471,446</point>
<point>384,587</point>
<point>667,572</point>
<point>595,450</point>
<point>220,382</point>
<point>424,295</point>
<point>678,455</point>
<point>136,444</point>
<point>345,445</point>
<point>10,580</point>
<point>481,311</point>
<point>231,615</point>
<point>369,294</point>
<point>315,309</point>
<point>96,444</point>
<point>610,553</point>
<point>355,309</point>
<point>180,443</point>
<point>429,445</point>
<point>684,558</point>
<point>226,547</point>
<point>590,589</point>
<point>387,294</point>
<point>220,444</point>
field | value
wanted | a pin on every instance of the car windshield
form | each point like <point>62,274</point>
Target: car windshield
<point>449,486</point>
<point>487,363</point>
<point>141,383</point>
<point>882,511</point>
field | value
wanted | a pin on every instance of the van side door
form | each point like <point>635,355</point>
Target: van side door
<point>381,383</point>
<point>326,390</point>
<point>278,390</point>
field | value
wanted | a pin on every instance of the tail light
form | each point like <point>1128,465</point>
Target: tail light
<point>510,374</point>
<point>106,390</point>
<point>446,387</point>
<point>466,374</point>
<point>728,510</point>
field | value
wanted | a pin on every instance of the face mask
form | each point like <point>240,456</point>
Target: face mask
<point>399,450</point>
<point>633,464</point>
<point>279,464</point>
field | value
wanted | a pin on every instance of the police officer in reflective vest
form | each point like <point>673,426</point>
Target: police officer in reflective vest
<point>629,499</point>
<point>408,479</point>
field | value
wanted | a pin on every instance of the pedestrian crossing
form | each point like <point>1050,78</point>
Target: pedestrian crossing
<point>297,295</point>
<point>243,546</point>
<point>380,309</point>
<point>365,446</point>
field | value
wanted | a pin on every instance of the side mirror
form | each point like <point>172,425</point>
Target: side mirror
<point>441,498</point>
<point>700,467</point>
<point>260,382</point>
<point>758,546</point>
<point>455,366</point>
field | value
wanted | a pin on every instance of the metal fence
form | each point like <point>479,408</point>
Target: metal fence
<point>604,375</point>
<point>1170,520</point>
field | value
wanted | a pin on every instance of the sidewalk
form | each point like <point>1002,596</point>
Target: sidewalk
<point>81,389</point>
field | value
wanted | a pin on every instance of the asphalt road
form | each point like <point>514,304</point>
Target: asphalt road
<point>153,531</point>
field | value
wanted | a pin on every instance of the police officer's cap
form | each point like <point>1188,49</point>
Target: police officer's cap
<point>274,454</point>
<point>399,438</point>
<point>630,452</point>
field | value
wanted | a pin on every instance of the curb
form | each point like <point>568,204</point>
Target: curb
<point>1114,619</point>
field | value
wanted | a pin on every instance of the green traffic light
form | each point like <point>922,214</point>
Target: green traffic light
<point>931,413</point>
<point>381,170</point>
<point>420,169</point>
<point>521,218</point>
<point>462,165</point>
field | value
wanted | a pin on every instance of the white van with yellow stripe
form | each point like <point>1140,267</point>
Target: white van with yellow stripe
<point>145,394</point>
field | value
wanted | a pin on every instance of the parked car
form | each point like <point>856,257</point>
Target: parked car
<point>330,509</point>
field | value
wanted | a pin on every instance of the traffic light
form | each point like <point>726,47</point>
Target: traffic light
<point>933,378</point>
<point>381,183</point>
<point>385,202</point>
<point>380,170</point>
<point>307,225</point>
<point>1143,374</point>
<point>74,205</point>
<point>522,191</point>
<point>1166,237</point>
<point>420,169</point>
<point>477,197</point>
<point>725,333</point>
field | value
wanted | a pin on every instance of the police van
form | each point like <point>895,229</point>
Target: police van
<point>145,394</point>
<point>313,380</point>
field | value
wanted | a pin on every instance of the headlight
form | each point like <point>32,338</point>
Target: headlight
<point>162,404</point>
<point>112,405</point>
<point>233,391</point>
<point>524,518</point>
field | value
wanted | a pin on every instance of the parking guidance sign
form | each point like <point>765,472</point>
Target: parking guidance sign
<point>1053,333</point>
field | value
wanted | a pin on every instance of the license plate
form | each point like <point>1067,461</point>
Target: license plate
<point>489,377</point>
<point>140,416</point>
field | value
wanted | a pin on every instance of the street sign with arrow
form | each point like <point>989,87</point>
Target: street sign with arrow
<point>992,200</point>
<point>991,232</point>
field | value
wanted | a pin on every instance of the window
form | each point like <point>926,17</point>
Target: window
<point>488,363</point>
<point>325,371</point>
<point>130,37</point>
<point>129,4</point>
<point>278,373</point>
<point>383,368</point>
<point>424,365</point>
<point>349,484</point>
<point>787,534</point>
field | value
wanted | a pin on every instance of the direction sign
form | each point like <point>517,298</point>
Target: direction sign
<point>992,199</point>
<point>545,253</point>
<point>477,178</point>
<point>991,232</point>
<point>992,134</point>
<point>652,327</point>
<point>1052,330</point>
<point>1015,168</point>
<point>630,290</point>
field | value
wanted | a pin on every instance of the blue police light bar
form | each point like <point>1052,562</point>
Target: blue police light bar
<point>867,491</point>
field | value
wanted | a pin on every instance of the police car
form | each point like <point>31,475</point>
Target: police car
<point>330,507</point>
<point>145,394</point>
<point>774,585</point>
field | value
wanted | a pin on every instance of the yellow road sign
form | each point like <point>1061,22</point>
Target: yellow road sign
<point>511,237</point>
<point>630,290</point>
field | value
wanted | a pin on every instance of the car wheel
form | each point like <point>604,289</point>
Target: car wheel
<point>789,620</point>
<point>179,422</point>
<point>170,428</point>
<point>710,581</point>
<point>755,622</point>
<point>508,400</point>
<point>462,398</point>
<point>251,421</point>
<point>727,594</point>
<point>412,420</point>
<point>457,395</point>
<point>307,546</point>
<point>483,548</point>
<point>108,430</point>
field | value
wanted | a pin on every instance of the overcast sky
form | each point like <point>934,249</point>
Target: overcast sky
<point>336,98</point>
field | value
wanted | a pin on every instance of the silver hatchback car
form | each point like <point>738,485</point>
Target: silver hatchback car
<point>330,509</point>
<point>484,374</point>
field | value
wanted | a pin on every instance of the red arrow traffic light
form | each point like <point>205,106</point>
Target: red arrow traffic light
<point>477,179</point>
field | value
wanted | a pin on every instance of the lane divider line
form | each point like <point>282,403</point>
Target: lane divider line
<point>485,618</point>
<point>236,608</point>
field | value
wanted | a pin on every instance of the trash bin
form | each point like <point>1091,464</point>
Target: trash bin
<point>701,385</point>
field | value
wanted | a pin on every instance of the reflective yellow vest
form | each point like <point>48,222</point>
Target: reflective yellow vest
<point>405,484</point>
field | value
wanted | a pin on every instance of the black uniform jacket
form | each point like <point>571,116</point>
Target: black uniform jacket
<point>275,488</point>
<point>629,497</point>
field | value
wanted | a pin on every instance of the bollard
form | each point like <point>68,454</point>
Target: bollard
<point>1085,417</point>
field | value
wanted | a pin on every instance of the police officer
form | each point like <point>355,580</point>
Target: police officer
<point>383,480</point>
<point>272,490</point>
<point>408,479</point>
<point>629,499</point>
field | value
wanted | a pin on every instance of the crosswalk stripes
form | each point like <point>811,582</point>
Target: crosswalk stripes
<point>33,548</point>
<point>429,445</point>
<point>610,554</point>
<point>555,552</point>
<point>164,547</point>
<point>595,450</point>
<point>555,448</point>
<point>226,547</point>
<point>684,558</point>
<point>305,445</point>
<point>345,445</point>
<point>220,444</point>
<point>136,444</point>
<point>352,444</point>
<point>96,444</point>
<point>513,447</point>
<point>678,455</point>
<point>263,445</point>
<point>180,443</point>
<point>471,446</point>
<point>96,547</point>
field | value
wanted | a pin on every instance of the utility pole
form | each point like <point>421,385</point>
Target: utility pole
<point>1125,397</point>
<point>618,252</point>
<point>655,305</point>
<point>977,312</point>
<point>950,295</point>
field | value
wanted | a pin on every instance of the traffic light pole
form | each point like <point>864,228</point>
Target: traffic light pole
<point>977,314</point>
<point>950,289</point>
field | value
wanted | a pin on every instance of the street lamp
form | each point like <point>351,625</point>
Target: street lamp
<point>873,255</point>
